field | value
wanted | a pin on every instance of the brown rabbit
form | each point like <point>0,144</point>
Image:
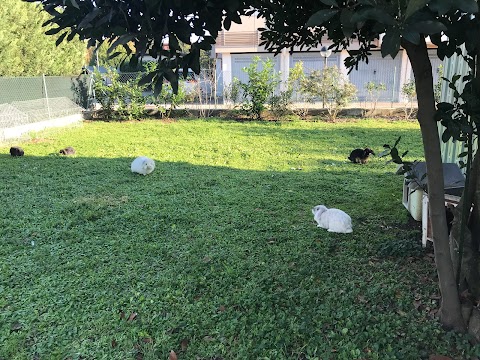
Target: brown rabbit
<point>67,151</point>
<point>360,156</point>
<point>16,151</point>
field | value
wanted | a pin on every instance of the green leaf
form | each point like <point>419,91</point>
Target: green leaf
<point>440,6</point>
<point>158,86</point>
<point>391,42</point>
<point>320,17</point>
<point>397,141</point>
<point>147,79</point>
<point>53,31</point>
<point>444,106</point>
<point>121,40</point>
<point>446,135</point>
<point>60,39</point>
<point>172,79</point>
<point>227,23</point>
<point>468,6</point>
<point>455,78</point>
<point>114,55</point>
<point>428,27</point>
<point>415,5</point>
<point>90,16</point>
<point>330,3</point>
<point>411,36</point>
<point>231,5</point>
<point>75,4</point>
<point>375,14</point>
<point>348,27</point>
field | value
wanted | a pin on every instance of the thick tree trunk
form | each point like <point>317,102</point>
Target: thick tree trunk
<point>450,310</point>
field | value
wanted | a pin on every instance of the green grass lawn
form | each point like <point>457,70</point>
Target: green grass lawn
<point>215,255</point>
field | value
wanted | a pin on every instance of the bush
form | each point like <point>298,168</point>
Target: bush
<point>280,104</point>
<point>259,88</point>
<point>295,79</point>
<point>374,90</point>
<point>125,100</point>
<point>330,86</point>
<point>232,92</point>
<point>167,101</point>
<point>410,92</point>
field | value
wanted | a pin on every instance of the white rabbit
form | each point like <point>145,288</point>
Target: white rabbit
<point>334,220</point>
<point>143,165</point>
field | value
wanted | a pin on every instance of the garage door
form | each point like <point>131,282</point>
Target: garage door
<point>239,61</point>
<point>379,70</point>
<point>313,61</point>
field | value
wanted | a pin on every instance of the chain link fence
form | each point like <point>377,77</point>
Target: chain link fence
<point>26,100</point>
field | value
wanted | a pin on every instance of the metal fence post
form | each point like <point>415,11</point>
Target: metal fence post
<point>46,96</point>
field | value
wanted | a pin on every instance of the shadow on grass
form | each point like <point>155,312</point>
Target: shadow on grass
<point>196,252</point>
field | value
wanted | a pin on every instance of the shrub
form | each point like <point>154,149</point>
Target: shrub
<point>232,92</point>
<point>295,80</point>
<point>125,100</point>
<point>280,104</point>
<point>330,86</point>
<point>374,90</point>
<point>410,92</point>
<point>259,88</point>
<point>167,101</point>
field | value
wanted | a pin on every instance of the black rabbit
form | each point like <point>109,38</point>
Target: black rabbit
<point>16,151</point>
<point>360,156</point>
<point>67,151</point>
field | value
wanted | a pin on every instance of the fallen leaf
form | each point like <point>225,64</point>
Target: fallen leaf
<point>132,316</point>
<point>439,357</point>
<point>114,343</point>
<point>172,356</point>
<point>417,304</point>
<point>147,340</point>
<point>401,313</point>
<point>208,338</point>
<point>184,344</point>
<point>221,308</point>
<point>122,314</point>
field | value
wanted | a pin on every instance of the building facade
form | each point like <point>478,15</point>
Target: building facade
<point>235,49</point>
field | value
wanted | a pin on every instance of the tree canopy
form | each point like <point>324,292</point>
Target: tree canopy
<point>146,25</point>
<point>25,49</point>
<point>303,23</point>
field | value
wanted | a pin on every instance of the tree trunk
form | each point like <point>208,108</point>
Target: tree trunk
<point>450,309</point>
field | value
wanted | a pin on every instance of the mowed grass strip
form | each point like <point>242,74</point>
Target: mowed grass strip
<point>215,255</point>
